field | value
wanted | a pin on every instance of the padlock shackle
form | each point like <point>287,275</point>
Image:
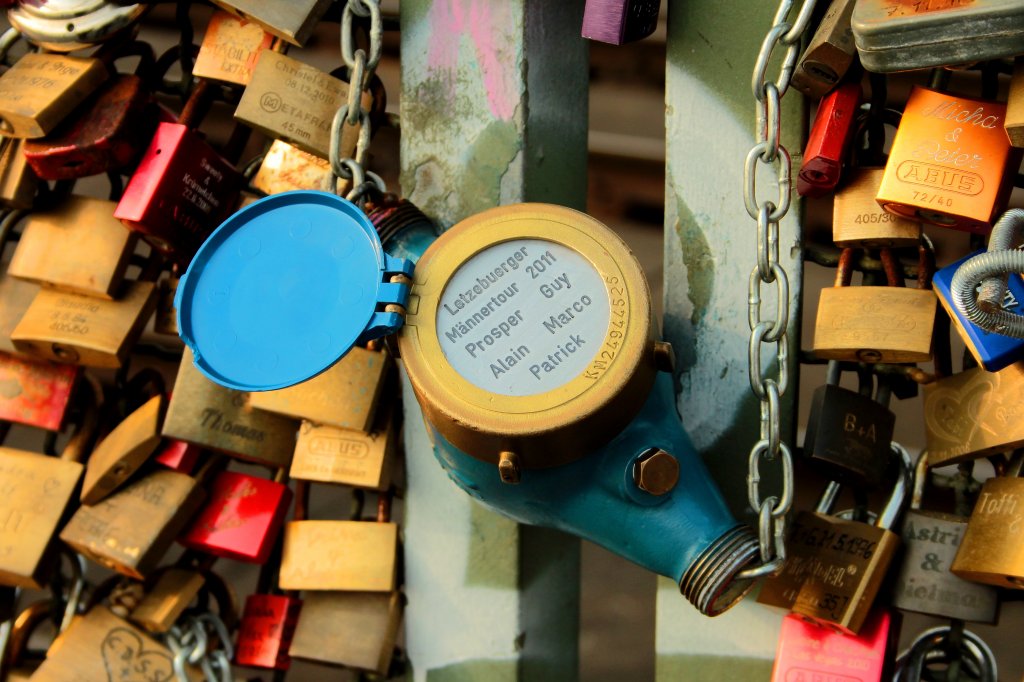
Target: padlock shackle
<point>990,270</point>
<point>903,487</point>
<point>81,440</point>
<point>844,268</point>
<point>828,498</point>
<point>893,271</point>
<point>920,480</point>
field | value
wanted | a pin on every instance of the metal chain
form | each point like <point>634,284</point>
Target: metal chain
<point>771,331</point>
<point>361,68</point>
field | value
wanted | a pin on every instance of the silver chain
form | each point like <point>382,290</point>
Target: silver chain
<point>769,151</point>
<point>361,68</point>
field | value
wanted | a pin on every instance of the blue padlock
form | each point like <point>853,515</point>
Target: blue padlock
<point>529,341</point>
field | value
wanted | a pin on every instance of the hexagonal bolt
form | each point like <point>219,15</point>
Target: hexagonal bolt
<point>656,472</point>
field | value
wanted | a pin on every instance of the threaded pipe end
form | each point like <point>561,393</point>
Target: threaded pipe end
<point>709,582</point>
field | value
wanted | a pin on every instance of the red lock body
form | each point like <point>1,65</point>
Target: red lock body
<point>241,519</point>
<point>828,141</point>
<point>266,630</point>
<point>812,652</point>
<point>180,192</point>
<point>110,133</point>
<point>178,455</point>
<point>35,392</point>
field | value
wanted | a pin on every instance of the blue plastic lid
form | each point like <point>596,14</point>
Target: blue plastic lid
<point>284,288</point>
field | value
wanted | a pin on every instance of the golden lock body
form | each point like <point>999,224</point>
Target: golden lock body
<point>123,451</point>
<point>339,555</point>
<point>352,629</point>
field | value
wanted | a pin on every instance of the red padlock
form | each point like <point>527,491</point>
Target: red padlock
<point>108,133</point>
<point>812,652</point>
<point>182,188</point>
<point>177,455</point>
<point>35,392</point>
<point>828,141</point>
<point>242,518</point>
<point>265,633</point>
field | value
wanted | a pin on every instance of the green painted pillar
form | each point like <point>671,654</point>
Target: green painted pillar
<point>710,249</point>
<point>494,111</point>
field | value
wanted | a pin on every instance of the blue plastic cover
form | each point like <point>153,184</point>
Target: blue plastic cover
<point>284,288</point>
<point>992,351</point>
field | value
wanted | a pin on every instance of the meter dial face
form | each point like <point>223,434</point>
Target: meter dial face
<point>523,317</point>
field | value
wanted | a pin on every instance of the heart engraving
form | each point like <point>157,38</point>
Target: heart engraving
<point>956,415</point>
<point>126,660</point>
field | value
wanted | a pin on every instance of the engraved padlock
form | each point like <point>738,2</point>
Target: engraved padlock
<point>123,451</point>
<point>829,54</point>
<point>924,583</point>
<point>949,162</point>
<point>829,141</point>
<point>293,22</point>
<point>619,21</point>
<point>268,621</point>
<point>853,559</point>
<point>230,48</point>
<point>875,324</point>
<point>992,549</point>
<point>18,182</point>
<point>810,652</point>
<point>40,90</point>
<point>285,168</point>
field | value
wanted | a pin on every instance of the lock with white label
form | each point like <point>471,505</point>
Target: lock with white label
<point>531,346</point>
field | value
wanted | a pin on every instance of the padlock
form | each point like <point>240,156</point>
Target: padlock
<point>992,548</point>
<point>241,518</point>
<point>829,141</point>
<point>165,321</point>
<point>94,248</point>
<point>182,188</point>
<point>170,594</point>
<point>352,556</point>
<point>620,21</point>
<point>71,25</point>
<point>924,583</point>
<point>108,132</point>
<point>829,53</point>
<point>353,629</point>
<point>37,491</point>
<point>15,665</point>
<point>129,531</point>
<point>362,459</point>
<point>35,392</point>
<point>16,295</point>
<point>40,90</point>
<point>293,22</point>
<point>948,163</point>
<point>346,395</point>
<point>83,330</point>
<point>295,102</point>
<point>875,324</point>
<point>991,350</point>
<point>101,646</point>
<point>974,414</point>
<point>848,434</point>
<point>268,621</point>
<point>1015,105</point>
<point>934,652</point>
<point>807,652</point>
<point>230,48</point>
<point>123,451</point>
<point>900,36</point>
<point>18,182</point>
<point>286,168</point>
<point>211,416</point>
<point>177,455</point>
<point>858,220</point>
<point>852,559</point>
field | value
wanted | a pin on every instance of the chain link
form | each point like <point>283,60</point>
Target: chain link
<point>769,152</point>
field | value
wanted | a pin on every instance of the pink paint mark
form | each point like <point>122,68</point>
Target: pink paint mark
<point>483,21</point>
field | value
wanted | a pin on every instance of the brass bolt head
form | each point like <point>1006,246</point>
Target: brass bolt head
<point>656,472</point>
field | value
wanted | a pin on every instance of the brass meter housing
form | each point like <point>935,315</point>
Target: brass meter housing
<point>556,424</point>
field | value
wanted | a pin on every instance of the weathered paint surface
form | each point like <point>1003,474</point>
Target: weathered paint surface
<point>488,599</point>
<point>710,250</point>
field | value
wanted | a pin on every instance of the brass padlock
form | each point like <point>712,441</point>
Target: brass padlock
<point>101,646</point>
<point>171,593</point>
<point>829,54</point>
<point>41,89</point>
<point>992,549</point>
<point>209,415</point>
<point>353,629</point>
<point>123,451</point>
<point>974,414</point>
<point>36,492</point>
<point>362,459</point>
<point>230,49</point>
<point>77,246</point>
<point>949,161</point>
<point>875,324</point>
<point>285,168</point>
<point>851,558</point>
<point>293,21</point>
<point>358,556</point>
<point>16,295</point>
<point>18,182</point>
<point>858,220</point>
<point>345,396</point>
<point>84,330</point>
<point>296,103</point>
<point>129,531</point>
<point>1015,105</point>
